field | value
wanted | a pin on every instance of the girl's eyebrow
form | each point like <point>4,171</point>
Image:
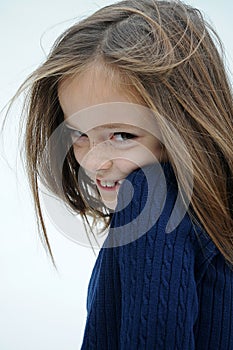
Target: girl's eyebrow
<point>70,126</point>
<point>106,126</point>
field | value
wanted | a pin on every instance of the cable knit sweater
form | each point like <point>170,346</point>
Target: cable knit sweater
<point>153,290</point>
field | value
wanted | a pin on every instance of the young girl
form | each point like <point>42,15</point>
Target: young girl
<point>141,109</point>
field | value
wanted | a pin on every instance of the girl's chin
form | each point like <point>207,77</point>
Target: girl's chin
<point>109,199</point>
<point>110,204</point>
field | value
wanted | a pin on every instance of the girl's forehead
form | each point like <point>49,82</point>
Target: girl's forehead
<point>94,99</point>
<point>93,86</point>
<point>113,115</point>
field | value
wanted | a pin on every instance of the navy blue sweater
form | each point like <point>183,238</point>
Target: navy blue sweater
<point>153,290</point>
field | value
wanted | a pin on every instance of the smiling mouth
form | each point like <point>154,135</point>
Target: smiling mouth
<point>108,185</point>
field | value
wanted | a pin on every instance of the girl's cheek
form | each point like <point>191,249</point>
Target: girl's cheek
<point>79,153</point>
<point>126,165</point>
<point>136,158</point>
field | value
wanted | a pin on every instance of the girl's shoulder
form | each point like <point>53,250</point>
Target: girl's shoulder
<point>151,215</point>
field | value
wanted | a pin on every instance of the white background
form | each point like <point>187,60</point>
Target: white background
<point>40,308</point>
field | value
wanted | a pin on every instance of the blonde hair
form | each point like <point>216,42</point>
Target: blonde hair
<point>167,53</point>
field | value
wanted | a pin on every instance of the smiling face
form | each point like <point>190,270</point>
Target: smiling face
<point>110,136</point>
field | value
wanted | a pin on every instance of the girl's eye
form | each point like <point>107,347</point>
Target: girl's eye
<point>76,135</point>
<point>123,136</point>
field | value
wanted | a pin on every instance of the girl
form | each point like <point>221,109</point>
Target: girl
<point>130,122</point>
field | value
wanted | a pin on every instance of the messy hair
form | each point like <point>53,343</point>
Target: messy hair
<point>172,58</point>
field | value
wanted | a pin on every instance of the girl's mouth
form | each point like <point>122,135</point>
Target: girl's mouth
<point>109,185</point>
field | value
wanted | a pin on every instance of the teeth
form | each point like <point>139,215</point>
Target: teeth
<point>107,183</point>
<point>110,183</point>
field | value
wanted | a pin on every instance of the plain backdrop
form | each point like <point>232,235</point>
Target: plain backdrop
<point>40,308</point>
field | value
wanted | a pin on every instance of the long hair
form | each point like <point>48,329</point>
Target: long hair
<point>172,58</point>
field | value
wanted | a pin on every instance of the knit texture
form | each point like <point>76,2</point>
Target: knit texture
<point>156,290</point>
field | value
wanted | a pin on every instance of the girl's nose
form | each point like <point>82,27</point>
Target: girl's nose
<point>105,166</point>
<point>98,158</point>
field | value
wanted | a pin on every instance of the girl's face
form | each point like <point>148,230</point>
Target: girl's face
<point>107,144</point>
